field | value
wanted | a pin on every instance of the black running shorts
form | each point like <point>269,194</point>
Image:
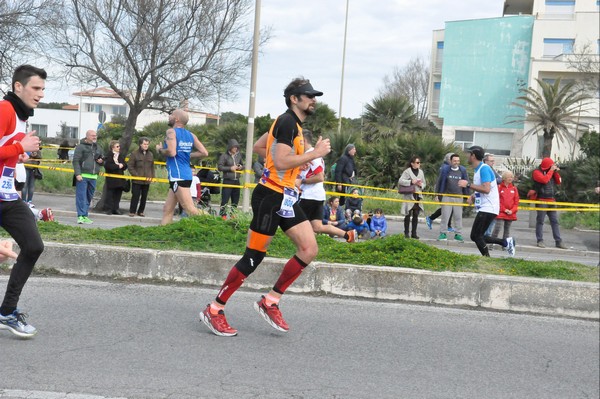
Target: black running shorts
<point>265,204</point>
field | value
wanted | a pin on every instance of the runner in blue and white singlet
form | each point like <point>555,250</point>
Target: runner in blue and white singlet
<point>177,148</point>
<point>178,167</point>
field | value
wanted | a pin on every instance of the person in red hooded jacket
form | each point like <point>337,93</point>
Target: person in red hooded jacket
<point>546,179</point>
<point>509,205</point>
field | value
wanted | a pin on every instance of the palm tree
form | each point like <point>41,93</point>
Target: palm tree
<point>388,116</point>
<point>553,110</point>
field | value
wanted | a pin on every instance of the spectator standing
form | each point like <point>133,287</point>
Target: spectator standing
<point>452,203</point>
<point>177,148</point>
<point>487,203</point>
<point>378,225</point>
<point>345,172</point>
<point>30,176</point>
<point>114,164</point>
<point>274,204</point>
<point>28,83</point>
<point>412,176</point>
<point>333,214</point>
<point>87,160</point>
<point>546,178</point>
<point>438,212</point>
<point>509,205</point>
<point>63,151</point>
<point>230,164</point>
<point>312,194</point>
<point>141,164</point>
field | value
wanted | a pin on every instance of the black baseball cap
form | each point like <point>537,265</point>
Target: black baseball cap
<point>477,151</point>
<point>306,88</point>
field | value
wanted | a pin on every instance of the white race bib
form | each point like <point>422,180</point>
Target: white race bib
<point>7,185</point>
<point>290,197</point>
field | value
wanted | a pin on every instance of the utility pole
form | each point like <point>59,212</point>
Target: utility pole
<point>251,110</point>
<point>343,64</point>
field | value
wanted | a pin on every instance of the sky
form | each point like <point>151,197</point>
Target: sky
<point>307,40</point>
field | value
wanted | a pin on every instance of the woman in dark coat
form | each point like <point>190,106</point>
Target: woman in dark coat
<point>114,164</point>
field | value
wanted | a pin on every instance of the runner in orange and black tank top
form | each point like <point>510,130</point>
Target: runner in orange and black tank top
<point>287,130</point>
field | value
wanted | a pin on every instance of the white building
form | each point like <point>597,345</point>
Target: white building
<point>89,109</point>
<point>478,67</point>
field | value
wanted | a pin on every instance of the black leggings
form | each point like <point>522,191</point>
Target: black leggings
<point>480,225</point>
<point>414,213</point>
<point>18,220</point>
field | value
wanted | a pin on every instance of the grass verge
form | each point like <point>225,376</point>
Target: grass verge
<point>210,234</point>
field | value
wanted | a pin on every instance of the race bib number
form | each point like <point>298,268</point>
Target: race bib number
<point>290,197</point>
<point>477,201</point>
<point>7,185</point>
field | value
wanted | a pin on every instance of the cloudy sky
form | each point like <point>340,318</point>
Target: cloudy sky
<point>307,40</point>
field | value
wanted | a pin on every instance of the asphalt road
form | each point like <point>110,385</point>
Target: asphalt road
<point>102,339</point>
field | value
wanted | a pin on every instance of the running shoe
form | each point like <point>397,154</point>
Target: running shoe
<point>458,238</point>
<point>271,314</point>
<point>541,244</point>
<point>351,236</point>
<point>451,229</point>
<point>80,219</point>
<point>16,324</point>
<point>428,221</point>
<point>442,237</point>
<point>217,323</point>
<point>46,215</point>
<point>510,246</point>
<point>87,220</point>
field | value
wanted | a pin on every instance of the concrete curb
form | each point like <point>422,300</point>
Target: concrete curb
<point>517,294</point>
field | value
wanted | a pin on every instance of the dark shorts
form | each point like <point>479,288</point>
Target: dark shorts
<point>180,183</point>
<point>265,204</point>
<point>313,209</point>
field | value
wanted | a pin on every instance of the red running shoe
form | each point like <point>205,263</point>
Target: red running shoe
<point>217,323</point>
<point>351,236</point>
<point>47,215</point>
<point>271,314</point>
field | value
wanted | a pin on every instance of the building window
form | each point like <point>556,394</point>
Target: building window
<point>94,107</point>
<point>464,138</point>
<point>435,99</point>
<point>72,132</point>
<point>439,57</point>
<point>499,143</point>
<point>560,7</point>
<point>42,130</point>
<point>556,47</point>
<point>119,110</point>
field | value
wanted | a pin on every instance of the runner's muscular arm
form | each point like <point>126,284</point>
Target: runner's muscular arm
<point>171,141</point>
<point>260,147</point>
<point>202,151</point>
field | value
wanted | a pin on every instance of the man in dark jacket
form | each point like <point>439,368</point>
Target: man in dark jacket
<point>546,178</point>
<point>345,172</point>
<point>230,164</point>
<point>87,160</point>
<point>141,164</point>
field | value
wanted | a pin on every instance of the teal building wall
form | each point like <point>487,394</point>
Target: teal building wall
<point>485,63</point>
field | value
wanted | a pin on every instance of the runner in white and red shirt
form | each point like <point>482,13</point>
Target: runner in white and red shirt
<point>313,195</point>
<point>28,84</point>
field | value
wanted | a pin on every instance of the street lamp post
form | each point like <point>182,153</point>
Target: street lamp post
<point>251,110</point>
<point>343,63</point>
